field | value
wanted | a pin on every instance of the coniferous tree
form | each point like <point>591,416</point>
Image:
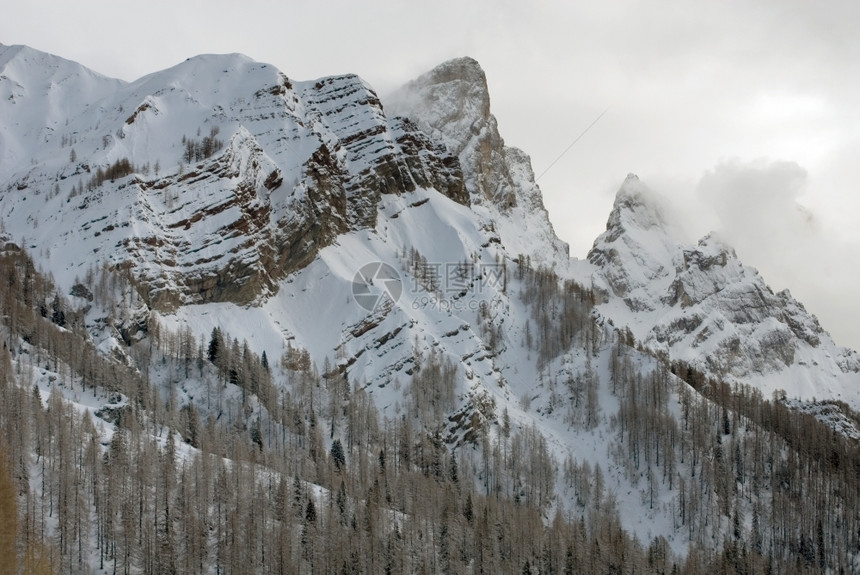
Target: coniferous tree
<point>337,454</point>
<point>216,345</point>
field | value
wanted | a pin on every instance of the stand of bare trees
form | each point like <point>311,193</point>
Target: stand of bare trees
<point>277,469</point>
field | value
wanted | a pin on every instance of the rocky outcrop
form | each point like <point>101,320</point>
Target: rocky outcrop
<point>207,235</point>
<point>376,155</point>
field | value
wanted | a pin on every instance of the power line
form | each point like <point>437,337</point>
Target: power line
<point>579,137</point>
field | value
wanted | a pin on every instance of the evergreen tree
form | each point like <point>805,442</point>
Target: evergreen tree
<point>337,454</point>
<point>311,511</point>
<point>216,345</point>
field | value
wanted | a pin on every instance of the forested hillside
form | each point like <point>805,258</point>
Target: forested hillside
<point>311,479</point>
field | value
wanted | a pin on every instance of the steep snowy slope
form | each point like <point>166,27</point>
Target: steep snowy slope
<point>701,306</point>
<point>40,96</point>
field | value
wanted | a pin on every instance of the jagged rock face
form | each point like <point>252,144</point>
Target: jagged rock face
<point>287,167</point>
<point>730,306</point>
<point>427,163</point>
<point>184,253</point>
<point>636,233</point>
<point>377,156</point>
<point>451,103</point>
<point>700,304</point>
<point>216,240</point>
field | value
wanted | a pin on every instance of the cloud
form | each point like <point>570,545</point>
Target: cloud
<point>757,202</point>
<point>761,214</point>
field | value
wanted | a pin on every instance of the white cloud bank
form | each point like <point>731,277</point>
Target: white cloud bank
<point>760,212</point>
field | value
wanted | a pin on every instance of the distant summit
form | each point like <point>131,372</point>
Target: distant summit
<point>701,306</point>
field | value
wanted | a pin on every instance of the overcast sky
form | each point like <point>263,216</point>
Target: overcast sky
<point>744,114</point>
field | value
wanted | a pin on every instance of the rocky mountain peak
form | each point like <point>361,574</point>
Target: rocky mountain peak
<point>453,99</point>
<point>639,249</point>
<point>451,104</point>
<point>636,206</point>
<point>700,305</point>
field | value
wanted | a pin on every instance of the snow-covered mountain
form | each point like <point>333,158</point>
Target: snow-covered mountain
<point>211,180</point>
<point>302,184</point>
<point>401,246</point>
<point>701,306</point>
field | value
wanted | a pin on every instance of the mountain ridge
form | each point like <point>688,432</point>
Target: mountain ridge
<point>300,164</point>
<point>250,211</point>
<point>335,178</point>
